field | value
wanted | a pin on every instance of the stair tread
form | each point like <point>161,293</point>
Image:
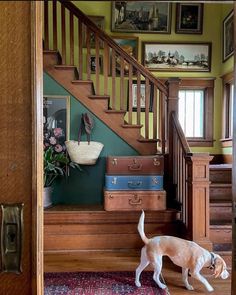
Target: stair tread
<point>66,67</point>
<point>116,111</point>
<point>48,51</point>
<point>95,96</point>
<point>132,126</point>
<point>221,203</point>
<point>220,166</point>
<point>221,224</point>
<point>148,140</point>
<point>82,81</point>
<point>220,184</point>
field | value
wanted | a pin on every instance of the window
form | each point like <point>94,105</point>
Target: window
<point>196,111</point>
<point>191,112</point>
<point>228,98</point>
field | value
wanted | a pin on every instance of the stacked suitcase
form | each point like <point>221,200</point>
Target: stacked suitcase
<point>134,183</point>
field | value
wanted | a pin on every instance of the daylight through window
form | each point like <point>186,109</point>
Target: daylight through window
<point>191,112</point>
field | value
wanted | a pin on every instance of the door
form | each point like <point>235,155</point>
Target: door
<point>21,166</point>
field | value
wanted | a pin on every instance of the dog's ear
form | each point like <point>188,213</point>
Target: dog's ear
<point>219,266</point>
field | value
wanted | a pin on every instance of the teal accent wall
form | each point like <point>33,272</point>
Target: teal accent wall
<point>85,187</point>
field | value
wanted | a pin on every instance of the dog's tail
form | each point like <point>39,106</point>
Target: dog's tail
<point>141,228</point>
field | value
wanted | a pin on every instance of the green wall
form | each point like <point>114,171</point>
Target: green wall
<point>212,32</point>
<point>85,187</point>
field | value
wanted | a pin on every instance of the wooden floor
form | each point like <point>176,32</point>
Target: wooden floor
<point>96,261</point>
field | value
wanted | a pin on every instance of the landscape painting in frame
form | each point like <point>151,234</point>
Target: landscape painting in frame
<point>141,17</point>
<point>130,45</point>
<point>192,57</point>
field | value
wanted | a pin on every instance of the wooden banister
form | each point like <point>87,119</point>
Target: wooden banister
<point>181,136</point>
<point>104,37</point>
<point>191,182</point>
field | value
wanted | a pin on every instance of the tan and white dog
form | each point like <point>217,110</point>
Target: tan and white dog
<point>186,254</point>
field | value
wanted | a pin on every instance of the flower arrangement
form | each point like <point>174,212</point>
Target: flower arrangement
<point>56,159</point>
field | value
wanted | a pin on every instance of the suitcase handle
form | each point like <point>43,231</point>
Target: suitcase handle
<point>136,201</point>
<point>135,167</point>
<point>134,184</point>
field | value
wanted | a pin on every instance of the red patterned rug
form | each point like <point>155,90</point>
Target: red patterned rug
<point>104,283</point>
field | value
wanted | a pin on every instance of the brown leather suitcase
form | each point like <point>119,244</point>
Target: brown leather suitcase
<point>134,200</point>
<point>135,165</point>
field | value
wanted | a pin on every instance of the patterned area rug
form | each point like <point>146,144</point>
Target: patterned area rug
<point>108,283</point>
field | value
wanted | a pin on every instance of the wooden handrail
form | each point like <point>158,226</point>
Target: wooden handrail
<point>102,35</point>
<point>181,136</point>
<point>190,185</point>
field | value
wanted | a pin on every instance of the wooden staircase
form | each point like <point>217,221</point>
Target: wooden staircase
<point>221,210</point>
<point>86,231</point>
<point>83,90</point>
<point>94,233</point>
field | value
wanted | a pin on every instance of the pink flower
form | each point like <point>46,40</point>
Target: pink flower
<point>58,148</point>
<point>52,140</point>
<point>57,132</point>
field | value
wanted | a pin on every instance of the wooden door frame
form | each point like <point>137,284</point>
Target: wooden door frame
<point>233,281</point>
<point>37,146</point>
<point>37,165</point>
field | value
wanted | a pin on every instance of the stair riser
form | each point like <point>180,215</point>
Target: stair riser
<point>220,176</point>
<point>218,193</point>
<point>109,237</point>
<point>221,236</point>
<point>221,214</point>
<point>69,73</point>
<point>50,59</point>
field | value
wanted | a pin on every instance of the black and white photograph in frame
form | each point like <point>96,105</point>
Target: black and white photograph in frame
<point>228,36</point>
<point>141,17</point>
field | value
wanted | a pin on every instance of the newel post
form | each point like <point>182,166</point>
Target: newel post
<point>172,106</point>
<point>198,199</point>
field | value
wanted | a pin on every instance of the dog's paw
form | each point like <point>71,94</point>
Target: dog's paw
<point>138,284</point>
<point>210,289</point>
<point>190,287</point>
<point>162,286</point>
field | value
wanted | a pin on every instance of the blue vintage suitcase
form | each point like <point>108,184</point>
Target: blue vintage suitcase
<point>133,182</point>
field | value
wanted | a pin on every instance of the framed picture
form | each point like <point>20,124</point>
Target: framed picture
<point>100,22</point>
<point>228,36</point>
<point>93,64</point>
<point>128,44</point>
<point>141,17</point>
<point>191,57</point>
<point>56,117</point>
<point>189,18</point>
<point>142,94</point>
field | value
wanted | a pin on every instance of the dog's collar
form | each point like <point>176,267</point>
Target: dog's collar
<point>212,266</point>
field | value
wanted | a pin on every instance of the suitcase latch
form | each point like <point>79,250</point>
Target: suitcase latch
<point>114,181</point>
<point>156,162</point>
<point>155,180</point>
<point>135,201</point>
<point>114,161</point>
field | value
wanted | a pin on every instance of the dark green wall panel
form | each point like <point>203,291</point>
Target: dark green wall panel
<point>85,187</point>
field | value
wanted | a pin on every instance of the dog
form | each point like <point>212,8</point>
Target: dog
<point>186,254</point>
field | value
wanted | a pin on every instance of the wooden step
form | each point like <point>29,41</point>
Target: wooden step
<point>102,100</point>
<point>220,211</point>
<point>75,228</point>
<point>220,192</point>
<point>221,237</point>
<point>51,57</point>
<point>132,126</point>
<point>71,71</point>
<point>221,173</point>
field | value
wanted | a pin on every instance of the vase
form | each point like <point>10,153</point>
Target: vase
<point>47,197</point>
